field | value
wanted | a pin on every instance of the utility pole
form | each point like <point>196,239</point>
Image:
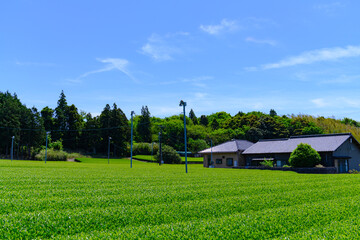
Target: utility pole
<point>182,103</point>
<point>160,134</point>
<point>12,147</point>
<point>109,151</point>
<point>46,145</point>
<point>211,161</point>
<point>132,124</point>
<point>152,150</point>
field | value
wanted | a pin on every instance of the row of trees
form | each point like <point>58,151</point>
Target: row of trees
<point>80,131</point>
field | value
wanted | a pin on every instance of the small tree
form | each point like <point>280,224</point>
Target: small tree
<point>304,156</point>
<point>169,155</point>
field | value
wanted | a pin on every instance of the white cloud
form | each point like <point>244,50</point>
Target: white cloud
<point>111,64</point>
<point>341,79</point>
<point>330,8</point>
<point>161,48</point>
<point>261,41</point>
<point>320,55</point>
<point>319,102</point>
<point>224,26</point>
<point>195,81</point>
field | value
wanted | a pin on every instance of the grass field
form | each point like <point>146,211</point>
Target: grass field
<point>149,158</point>
<point>92,200</point>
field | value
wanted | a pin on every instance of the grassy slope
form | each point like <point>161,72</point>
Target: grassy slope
<point>95,200</point>
<point>148,157</point>
<point>334,126</point>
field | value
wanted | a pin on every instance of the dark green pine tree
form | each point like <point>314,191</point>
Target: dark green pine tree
<point>204,120</point>
<point>60,117</point>
<point>47,114</point>
<point>121,132</point>
<point>74,126</point>
<point>193,117</point>
<point>144,125</point>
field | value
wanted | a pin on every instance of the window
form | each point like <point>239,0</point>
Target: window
<point>229,162</point>
<point>218,161</point>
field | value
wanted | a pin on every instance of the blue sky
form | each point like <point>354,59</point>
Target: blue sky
<point>292,56</point>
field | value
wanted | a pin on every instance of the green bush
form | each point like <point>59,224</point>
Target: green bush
<point>267,163</point>
<point>169,155</point>
<point>304,156</point>
<point>57,155</point>
<point>144,148</point>
<point>56,145</point>
<point>52,155</point>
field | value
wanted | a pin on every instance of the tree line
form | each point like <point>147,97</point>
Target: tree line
<point>82,132</point>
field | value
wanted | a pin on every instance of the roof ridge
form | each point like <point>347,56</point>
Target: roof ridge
<point>321,135</point>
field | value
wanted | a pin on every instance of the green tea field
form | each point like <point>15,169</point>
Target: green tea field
<point>92,200</point>
<point>151,158</point>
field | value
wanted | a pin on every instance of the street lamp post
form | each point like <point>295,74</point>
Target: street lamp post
<point>160,149</point>
<point>46,145</point>
<point>131,154</point>
<point>182,103</point>
<point>12,147</point>
<point>211,161</point>
<point>109,151</point>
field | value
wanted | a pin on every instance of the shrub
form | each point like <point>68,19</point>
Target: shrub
<point>169,155</point>
<point>52,155</point>
<point>304,156</point>
<point>144,148</point>
<point>286,166</point>
<point>267,163</point>
<point>56,155</point>
<point>56,145</point>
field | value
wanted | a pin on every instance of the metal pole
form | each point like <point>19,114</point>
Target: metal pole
<point>109,151</point>
<point>182,103</point>
<point>152,150</point>
<point>212,162</point>
<point>12,147</point>
<point>131,154</point>
<point>46,145</point>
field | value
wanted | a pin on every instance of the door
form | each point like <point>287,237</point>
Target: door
<point>343,165</point>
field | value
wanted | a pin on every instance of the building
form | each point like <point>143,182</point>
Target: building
<point>336,150</point>
<point>228,154</point>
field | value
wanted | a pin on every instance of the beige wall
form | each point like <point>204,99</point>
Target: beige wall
<point>235,156</point>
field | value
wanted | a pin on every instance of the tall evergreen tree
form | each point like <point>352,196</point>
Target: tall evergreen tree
<point>204,120</point>
<point>47,114</point>
<point>193,117</point>
<point>74,125</point>
<point>144,125</point>
<point>61,123</point>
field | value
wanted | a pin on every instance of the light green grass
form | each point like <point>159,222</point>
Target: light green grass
<point>96,200</point>
<point>148,158</point>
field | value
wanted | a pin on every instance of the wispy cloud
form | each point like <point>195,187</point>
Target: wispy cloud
<point>330,8</point>
<point>38,64</point>
<point>224,26</point>
<point>319,102</point>
<point>118,64</point>
<point>341,79</point>
<point>321,55</point>
<point>336,103</point>
<point>195,81</point>
<point>261,41</point>
<point>160,47</point>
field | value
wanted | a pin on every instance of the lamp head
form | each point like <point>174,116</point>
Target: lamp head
<point>182,103</point>
<point>132,113</point>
